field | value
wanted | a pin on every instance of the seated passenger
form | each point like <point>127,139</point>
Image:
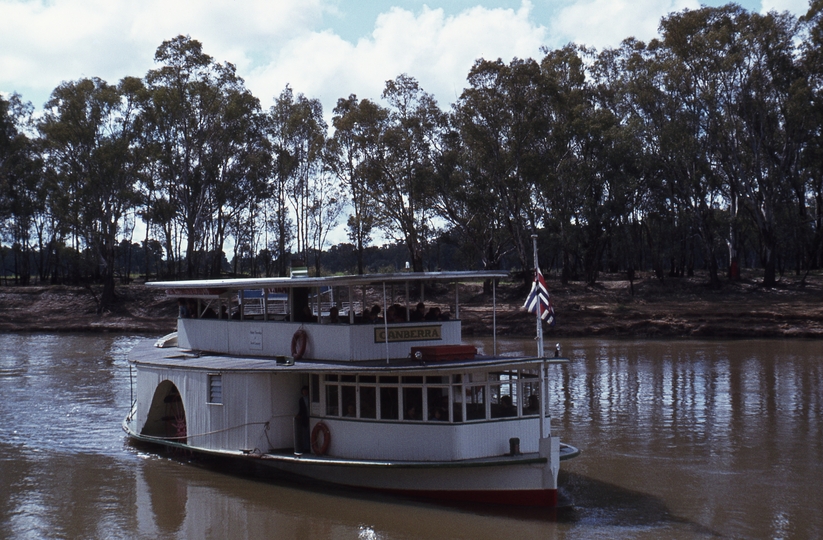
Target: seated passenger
<point>433,314</point>
<point>306,315</point>
<point>419,313</point>
<point>334,315</point>
<point>506,406</point>
<point>351,411</point>
<point>533,406</point>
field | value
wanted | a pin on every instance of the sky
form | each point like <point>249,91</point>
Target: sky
<point>325,49</point>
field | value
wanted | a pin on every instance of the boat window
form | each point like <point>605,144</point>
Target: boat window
<point>413,380</point>
<point>457,403</point>
<point>215,388</point>
<point>437,400</point>
<point>331,377</point>
<point>457,378</point>
<point>368,402</point>
<point>531,399</point>
<point>413,403</point>
<point>476,403</point>
<point>315,389</point>
<point>437,380</point>
<point>502,403</point>
<point>348,378</point>
<point>388,380</point>
<point>332,402</point>
<point>349,399</point>
<point>368,379</point>
<point>388,403</point>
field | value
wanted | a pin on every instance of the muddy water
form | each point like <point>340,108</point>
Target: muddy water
<point>680,439</point>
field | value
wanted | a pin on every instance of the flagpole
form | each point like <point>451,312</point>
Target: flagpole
<point>538,310</point>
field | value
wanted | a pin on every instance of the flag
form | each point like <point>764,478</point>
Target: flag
<point>538,300</point>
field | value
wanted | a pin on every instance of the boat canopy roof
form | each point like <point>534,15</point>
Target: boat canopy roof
<point>218,287</point>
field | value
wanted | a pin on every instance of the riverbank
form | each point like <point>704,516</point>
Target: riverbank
<point>676,307</point>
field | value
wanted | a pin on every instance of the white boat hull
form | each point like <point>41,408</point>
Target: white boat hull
<point>522,480</point>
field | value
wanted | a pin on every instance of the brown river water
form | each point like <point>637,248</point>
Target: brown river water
<point>679,439</point>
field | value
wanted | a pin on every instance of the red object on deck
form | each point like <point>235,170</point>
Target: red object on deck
<point>439,353</point>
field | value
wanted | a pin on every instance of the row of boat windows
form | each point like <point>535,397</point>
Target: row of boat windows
<point>456,398</point>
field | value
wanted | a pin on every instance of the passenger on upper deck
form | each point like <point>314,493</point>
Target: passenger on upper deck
<point>419,313</point>
<point>306,315</point>
<point>182,308</point>
<point>433,314</point>
<point>334,315</point>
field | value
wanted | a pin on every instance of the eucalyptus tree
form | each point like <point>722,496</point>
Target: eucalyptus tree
<point>664,87</point>
<point>401,171</point>
<point>751,105</point>
<point>22,195</point>
<point>502,131</point>
<point>351,152</point>
<point>479,183</point>
<point>297,132</point>
<point>812,153</point>
<point>88,128</point>
<point>201,133</point>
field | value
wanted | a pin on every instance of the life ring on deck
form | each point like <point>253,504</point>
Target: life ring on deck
<point>316,447</point>
<point>298,344</point>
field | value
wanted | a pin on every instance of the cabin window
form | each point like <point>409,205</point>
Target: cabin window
<point>388,403</point>
<point>476,402</point>
<point>368,402</point>
<point>457,405</point>
<point>502,402</point>
<point>315,388</point>
<point>349,399</point>
<point>332,401</point>
<point>437,400</point>
<point>476,396</point>
<point>413,403</point>
<point>215,388</point>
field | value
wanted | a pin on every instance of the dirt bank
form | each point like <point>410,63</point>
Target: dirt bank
<point>676,307</point>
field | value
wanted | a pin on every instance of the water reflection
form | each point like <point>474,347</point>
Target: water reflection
<point>680,439</point>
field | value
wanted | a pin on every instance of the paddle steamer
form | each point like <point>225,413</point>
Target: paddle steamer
<point>298,374</point>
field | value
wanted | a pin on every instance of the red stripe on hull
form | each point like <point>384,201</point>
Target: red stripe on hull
<point>519,497</point>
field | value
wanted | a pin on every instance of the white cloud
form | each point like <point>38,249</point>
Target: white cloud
<point>436,49</point>
<point>43,43</point>
<point>606,23</point>
<point>797,7</point>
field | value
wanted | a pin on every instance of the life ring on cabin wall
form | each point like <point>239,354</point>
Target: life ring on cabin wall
<point>316,447</point>
<point>298,344</point>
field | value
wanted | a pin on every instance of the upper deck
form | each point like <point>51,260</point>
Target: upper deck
<point>217,316</point>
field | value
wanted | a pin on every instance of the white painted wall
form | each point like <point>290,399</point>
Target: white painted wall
<point>249,400</point>
<point>429,441</point>
<point>325,341</point>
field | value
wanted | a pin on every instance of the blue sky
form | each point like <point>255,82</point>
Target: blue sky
<point>326,49</point>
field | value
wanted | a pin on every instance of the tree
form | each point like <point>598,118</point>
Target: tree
<point>88,128</point>
<point>401,173</point>
<point>21,191</point>
<point>351,151</point>
<point>205,144</point>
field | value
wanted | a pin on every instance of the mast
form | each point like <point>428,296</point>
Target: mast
<point>538,310</point>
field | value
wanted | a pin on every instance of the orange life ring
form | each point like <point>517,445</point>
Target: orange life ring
<point>298,344</point>
<point>320,449</point>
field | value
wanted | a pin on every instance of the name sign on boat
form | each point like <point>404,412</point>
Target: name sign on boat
<point>418,333</point>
